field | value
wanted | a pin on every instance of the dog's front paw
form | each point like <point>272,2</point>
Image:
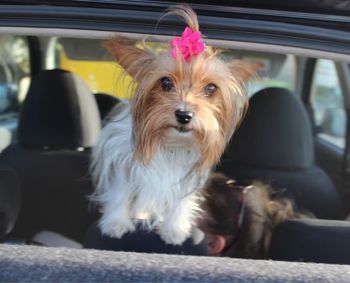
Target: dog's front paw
<point>116,229</point>
<point>197,236</point>
<point>174,235</point>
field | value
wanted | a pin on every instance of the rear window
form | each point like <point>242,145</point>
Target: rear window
<point>88,59</point>
<point>15,72</point>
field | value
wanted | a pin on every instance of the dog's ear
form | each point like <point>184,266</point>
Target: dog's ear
<point>244,70</point>
<point>216,244</point>
<point>127,55</point>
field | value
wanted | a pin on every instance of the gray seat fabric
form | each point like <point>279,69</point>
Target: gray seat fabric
<point>311,240</point>
<point>274,144</point>
<point>59,111</point>
<point>41,264</point>
<point>9,200</point>
<point>58,124</point>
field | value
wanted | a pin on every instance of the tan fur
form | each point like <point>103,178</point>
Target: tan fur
<point>187,14</point>
<point>262,213</point>
<point>216,117</point>
<point>265,214</point>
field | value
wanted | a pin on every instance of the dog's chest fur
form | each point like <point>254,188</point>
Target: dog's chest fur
<point>154,190</point>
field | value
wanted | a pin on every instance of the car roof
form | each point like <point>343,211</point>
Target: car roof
<point>301,12</point>
<point>309,31</point>
<point>329,7</point>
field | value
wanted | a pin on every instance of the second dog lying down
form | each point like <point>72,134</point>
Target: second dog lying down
<point>239,220</point>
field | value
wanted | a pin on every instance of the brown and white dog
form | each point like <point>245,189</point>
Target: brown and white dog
<point>156,152</point>
<point>239,220</point>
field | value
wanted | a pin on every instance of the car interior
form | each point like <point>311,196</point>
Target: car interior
<point>56,94</point>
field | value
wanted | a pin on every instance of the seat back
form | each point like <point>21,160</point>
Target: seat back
<point>105,103</point>
<point>9,201</point>
<point>275,144</point>
<point>58,125</point>
<point>311,240</point>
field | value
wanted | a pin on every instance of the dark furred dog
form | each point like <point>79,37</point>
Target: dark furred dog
<point>239,220</point>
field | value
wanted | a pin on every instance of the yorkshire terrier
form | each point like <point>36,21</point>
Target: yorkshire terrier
<point>156,152</point>
<point>239,220</point>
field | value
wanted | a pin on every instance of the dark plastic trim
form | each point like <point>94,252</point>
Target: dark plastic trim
<point>329,7</point>
<point>145,21</point>
<point>36,63</point>
<point>307,82</point>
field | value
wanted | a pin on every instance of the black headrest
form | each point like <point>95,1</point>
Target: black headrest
<point>59,111</point>
<point>275,133</point>
<point>311,240</point>
<point>105,103</point>
<point>9,200</point>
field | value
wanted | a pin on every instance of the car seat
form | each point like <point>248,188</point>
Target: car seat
<point>274,144</point>
<point>58,125</point>
<point>105,103</point>
<point>311,240</point>
<point>9,201</point>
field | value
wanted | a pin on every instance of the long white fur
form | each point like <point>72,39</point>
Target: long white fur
<point>165,192</point>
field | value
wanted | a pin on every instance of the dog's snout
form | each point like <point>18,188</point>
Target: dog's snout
<point>183,117</point>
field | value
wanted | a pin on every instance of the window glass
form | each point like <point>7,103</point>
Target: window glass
<point>88,59</point>
<point>14,72</point>
<point>278,69</point>
<point>14,83</point>
<point>327,103</point>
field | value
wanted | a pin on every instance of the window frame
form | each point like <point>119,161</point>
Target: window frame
<point>333,159</point>
<point>343,73</point>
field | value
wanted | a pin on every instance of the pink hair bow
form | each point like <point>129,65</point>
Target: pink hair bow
<point>188,44</point>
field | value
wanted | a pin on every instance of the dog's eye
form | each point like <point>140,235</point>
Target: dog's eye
<point>210,89</point>
<point>167,83</point>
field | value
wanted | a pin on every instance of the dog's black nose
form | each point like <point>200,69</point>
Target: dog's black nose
<point>183,117</point>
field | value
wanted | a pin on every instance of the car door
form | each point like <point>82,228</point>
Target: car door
<point>326,95</point>
<point>15,70</point>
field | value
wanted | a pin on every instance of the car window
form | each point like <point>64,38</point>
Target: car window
<point>278,70</point>
<point>88,59</point>
<point>14,83</point>
<point>327,104</point>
